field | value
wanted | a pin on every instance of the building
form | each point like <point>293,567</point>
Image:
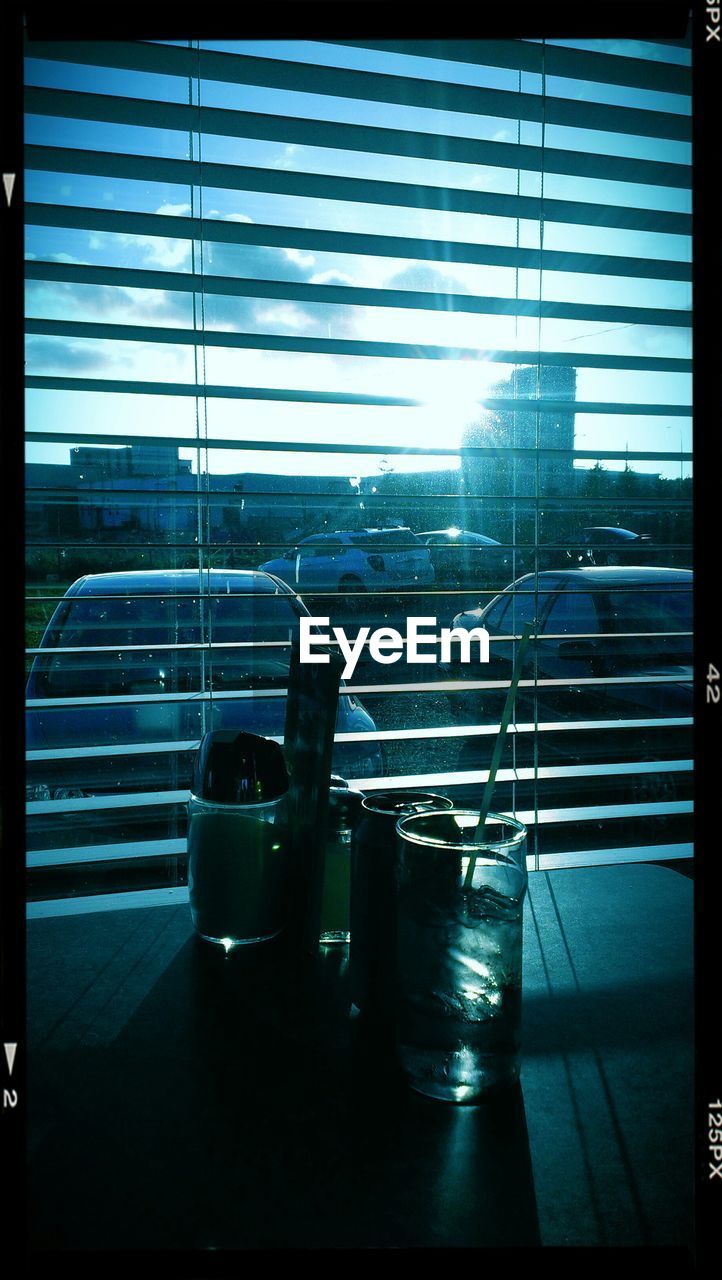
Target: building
<point>518,422</point>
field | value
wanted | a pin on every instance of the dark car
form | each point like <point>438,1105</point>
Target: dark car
<point>609,545</point>
<point>126,683</point>
<point>598,623</point>
<point>465,559</point>
<point>595,545</point>
<point>609,682</point>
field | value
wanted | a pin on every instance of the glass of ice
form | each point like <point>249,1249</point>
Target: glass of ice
<point>458,996</point>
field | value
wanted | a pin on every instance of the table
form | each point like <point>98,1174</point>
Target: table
<point>178,1100</point>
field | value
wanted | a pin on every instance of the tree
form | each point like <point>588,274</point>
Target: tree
<point>596,481</point>
<point>628,482</point>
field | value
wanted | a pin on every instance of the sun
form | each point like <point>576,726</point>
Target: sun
<point>449,394</point>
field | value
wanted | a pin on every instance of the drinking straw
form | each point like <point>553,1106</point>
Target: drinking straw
<point>498,747</point>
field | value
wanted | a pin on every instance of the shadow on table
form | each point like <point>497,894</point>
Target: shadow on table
<point>240,1106</point>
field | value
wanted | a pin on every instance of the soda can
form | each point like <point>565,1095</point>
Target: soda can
<point>372,953</point>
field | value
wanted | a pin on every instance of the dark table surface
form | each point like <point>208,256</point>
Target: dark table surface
<point>179,1100</point>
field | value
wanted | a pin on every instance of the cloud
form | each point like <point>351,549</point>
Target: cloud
<point>149,303</point>
<point>160,251</point>
<point>258,262</point>
<point>229,217</point>
<point>168,252</point>
<point>283,315</point>
<point>175,210</point>
<point>286,160</point>
<point>332,277</point>
<point>56,354</point>
<point>427,279</point>
<point>306,261</point>
<point>130,305</point>
<point>107,302</point>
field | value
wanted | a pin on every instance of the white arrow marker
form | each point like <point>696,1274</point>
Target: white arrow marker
<point>10,1055</point>
<point>9,183</point>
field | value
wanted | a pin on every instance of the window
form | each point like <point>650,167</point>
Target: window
<point>497,613</point>
<point>292,304</point>
<point>573,613</point>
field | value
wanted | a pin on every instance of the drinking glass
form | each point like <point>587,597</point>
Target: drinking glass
<point>459,949</point>
<point>238,869</point>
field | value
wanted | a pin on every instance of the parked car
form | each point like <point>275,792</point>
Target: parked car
<point>354,562</point>
<point>131,649</point>
<point>465,559</point>
<point>595,545</point>
<point>608,545</point>
<point>597,622</point>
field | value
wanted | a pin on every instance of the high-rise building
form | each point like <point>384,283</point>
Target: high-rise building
<point>522,422</point>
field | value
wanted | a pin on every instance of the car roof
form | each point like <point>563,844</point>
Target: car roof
<point>459,533</point>
<point>610,576</point>
<point>354,533</point>
<point>612,528</point>
<point>153,581</point>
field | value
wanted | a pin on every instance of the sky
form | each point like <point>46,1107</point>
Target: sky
<point>447,391</point>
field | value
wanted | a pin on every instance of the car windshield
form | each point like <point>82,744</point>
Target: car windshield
<point>508,614</point>
<point>169,619</point>
<point>264,623</point>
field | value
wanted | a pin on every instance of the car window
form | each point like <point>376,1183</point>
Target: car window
<point>572,613</point>
<point>493,619</point>
<point>321,545</point>
<point>651,610</point>
<point>89,622</point>
<point>391,539</point>
<point>524,607</point>
<point>401,538</point>
<point>170,619</point>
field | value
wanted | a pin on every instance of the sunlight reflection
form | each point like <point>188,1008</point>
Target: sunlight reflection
<point>450,393</point>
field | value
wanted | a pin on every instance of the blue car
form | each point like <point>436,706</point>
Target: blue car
<point>126,684</point>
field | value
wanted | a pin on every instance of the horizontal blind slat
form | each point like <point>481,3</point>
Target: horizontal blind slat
<point>345,347</point>
<point>351,295</point>
<point>555,60</point>
<point>581,813</point>
<point>178,848</point>
<point>408,686</point>
<point>60,755</point>
<point>507,54</point>
<point>176,496</point>
<point>308,446</point>
<point>367,139</point>
<point>294,395</point>
<point>215,230</point>
<point>368,86</point>
<point>358,190</point>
